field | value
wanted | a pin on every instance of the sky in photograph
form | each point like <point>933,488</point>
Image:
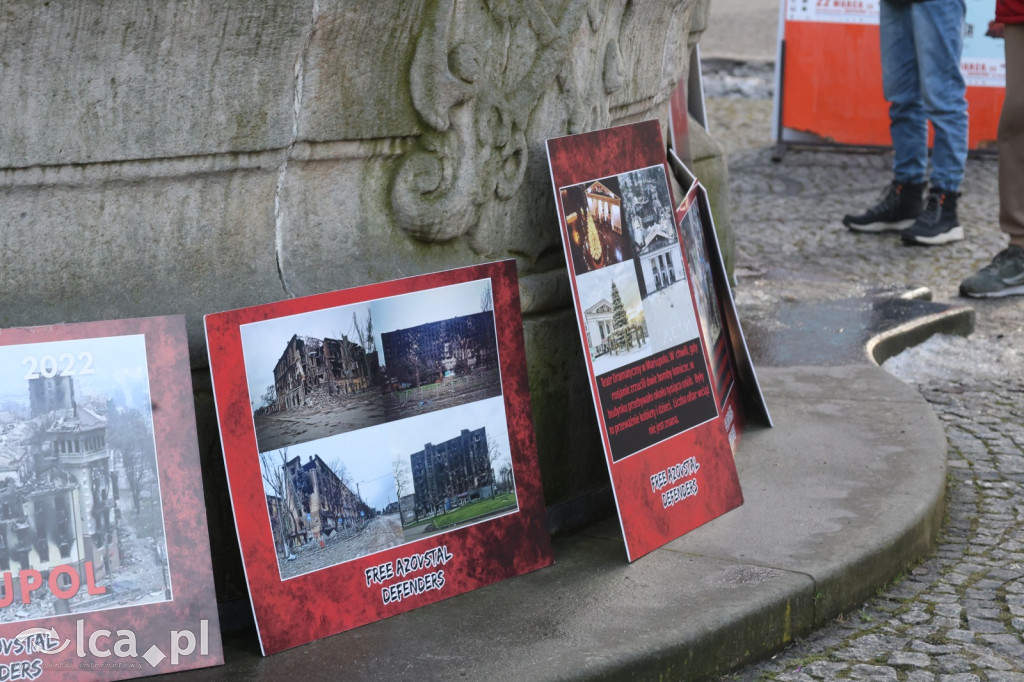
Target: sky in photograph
<point>114,364</point>
<point>263,343</point>
<point>431,305</point>
<point>593,286</point>
<point>366,457</point>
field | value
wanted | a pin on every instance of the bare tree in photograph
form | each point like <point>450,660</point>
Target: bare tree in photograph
<point>128,432</point>
<point>344,360</point>
<point>371,344</point>
<point>464,344</point>
<point>496,455</point>
<point>462,351</point>
<point>505,475</point>
<point>340,470</point>
<point>414,361</point>
<point>272,469</point>
<point>486,300</point>
<point>365,335</point>
<point>268,401</point>
<point>403,486</point>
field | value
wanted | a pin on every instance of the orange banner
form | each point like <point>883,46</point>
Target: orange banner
<point>831,90</point>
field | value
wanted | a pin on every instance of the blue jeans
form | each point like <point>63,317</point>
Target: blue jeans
<point>921,80</point>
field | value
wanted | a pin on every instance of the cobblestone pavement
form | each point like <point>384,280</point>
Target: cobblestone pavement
<point>959,615</point>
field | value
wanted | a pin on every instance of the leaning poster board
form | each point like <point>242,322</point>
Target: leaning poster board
<point>379,448</point>
<point>731,368</point>
<point>829,74</point>
<point>104,547</point>
<point>665,443</point>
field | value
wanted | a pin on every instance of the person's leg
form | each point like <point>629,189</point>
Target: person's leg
<point>938,37</point>
<point>938,33</point>
<point>900,203</point>
<point>1004,276</point>
<point>1011,139</point>
<point>901,86</point>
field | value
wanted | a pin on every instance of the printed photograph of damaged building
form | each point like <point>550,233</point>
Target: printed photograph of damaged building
<point>453,469</point>
<point>81,518</point>
<point>312,375</point>
<point>350,384</point>
<point>441,364</point>
<point>331,500</point>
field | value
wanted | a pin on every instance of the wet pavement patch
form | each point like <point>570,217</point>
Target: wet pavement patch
<point>838,332</point>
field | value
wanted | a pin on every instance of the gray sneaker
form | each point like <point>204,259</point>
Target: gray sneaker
<point>1004,276</point>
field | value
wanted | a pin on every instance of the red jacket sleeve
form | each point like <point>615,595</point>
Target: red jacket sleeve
<point>1010,11</point>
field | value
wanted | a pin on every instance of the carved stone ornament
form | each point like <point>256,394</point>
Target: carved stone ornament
<point>480,71</point>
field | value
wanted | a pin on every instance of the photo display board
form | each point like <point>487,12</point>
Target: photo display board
<point>731,368</point>
<point>829,74</point>
<point>379,448</point>
<point>104,549</point>
<point>665,442</point>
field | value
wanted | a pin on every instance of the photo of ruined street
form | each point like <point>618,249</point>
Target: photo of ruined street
<point>331,500</point>
<point>319,417</point>
<point>374,535</point>
<point>341,498</point>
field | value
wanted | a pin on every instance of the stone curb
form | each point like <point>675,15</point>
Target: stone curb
<point>958,321</point>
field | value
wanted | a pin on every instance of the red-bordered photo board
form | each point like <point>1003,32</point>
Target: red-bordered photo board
<point>665,443</point>
<point>104,549</point>
<point>379,448</point>
<point>737,387</point>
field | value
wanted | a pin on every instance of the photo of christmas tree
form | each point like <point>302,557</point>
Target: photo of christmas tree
<point>615,323</point>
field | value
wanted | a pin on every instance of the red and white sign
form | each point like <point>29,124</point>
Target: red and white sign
<point>105,569</point>
<point>665,442</point>
<point>833,11</point>
<point>379,448</point>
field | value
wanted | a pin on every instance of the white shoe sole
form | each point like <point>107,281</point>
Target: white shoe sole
<point>1008,291</point>
<point>952,235</point>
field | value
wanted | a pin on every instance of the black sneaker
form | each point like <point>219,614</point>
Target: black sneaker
<point>938,223</point>
<point>1004,276</point>
<point>898,208</point>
